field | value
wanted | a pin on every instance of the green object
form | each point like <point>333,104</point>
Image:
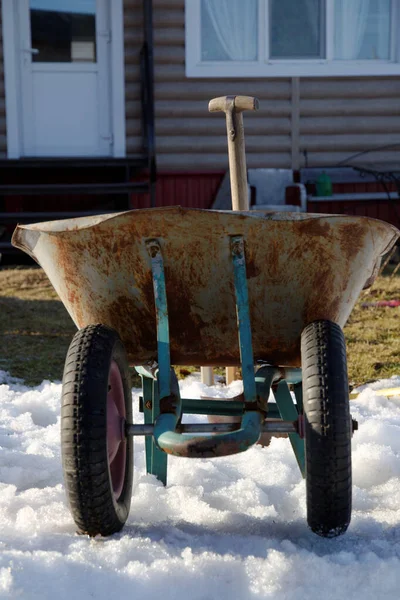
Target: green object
<point>324,185</point>
<point>163,407</point>
<point>165,435</point>
<point>298,392</point>
<point>289,412</point>
<point>156,459</point>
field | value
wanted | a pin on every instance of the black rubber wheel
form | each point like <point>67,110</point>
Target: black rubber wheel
<point>328,428</point>
<point>96,404</point>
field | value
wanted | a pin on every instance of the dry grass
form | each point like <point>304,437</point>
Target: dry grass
<point>36,329</point>
<point>373,334</point>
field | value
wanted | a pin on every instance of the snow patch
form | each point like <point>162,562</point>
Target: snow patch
<point>228,528</point>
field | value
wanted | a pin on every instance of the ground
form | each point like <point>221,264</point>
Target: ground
<point>226,528</point>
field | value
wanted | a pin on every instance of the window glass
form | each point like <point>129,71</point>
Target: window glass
<point>362,29</point>
<point>63,30</point>
<point>296,29</point>
<point>229,30</point>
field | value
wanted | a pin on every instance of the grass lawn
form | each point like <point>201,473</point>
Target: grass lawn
<point>373,334</point>
<point>36,329</point>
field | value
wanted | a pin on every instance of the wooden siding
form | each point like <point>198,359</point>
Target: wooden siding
<point>3,130</point>
<point>133,40</point>
<point>187,136</point>
<point>341,117</point>
<point>191,137</point>
<point>325,120</point>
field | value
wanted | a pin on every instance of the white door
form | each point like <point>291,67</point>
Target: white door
<point>65,77</point>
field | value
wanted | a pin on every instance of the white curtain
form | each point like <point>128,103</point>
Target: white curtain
<point>383,27</point>
<point>235,26</point>
<point>351,20</point>
<point>313,16</point>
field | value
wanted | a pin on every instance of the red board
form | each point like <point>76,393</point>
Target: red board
<point>385,210</point>
<point>188,189</point>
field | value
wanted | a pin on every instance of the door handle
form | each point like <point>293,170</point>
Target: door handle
<point>31,50</point>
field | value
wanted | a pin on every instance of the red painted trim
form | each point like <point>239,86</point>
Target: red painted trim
<point>385,210</point>
<point>192,189</point>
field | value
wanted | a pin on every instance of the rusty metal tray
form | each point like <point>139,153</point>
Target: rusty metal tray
<point>300,268</point>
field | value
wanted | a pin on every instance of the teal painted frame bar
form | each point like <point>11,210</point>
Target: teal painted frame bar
<point>226,408</point>
<point>165,434</point>
<point>298,392</point>
<point>160,298</point>
<point>243,318</point>
<point>163,407</point>
<point>289,412</point>
<point>156,459</point>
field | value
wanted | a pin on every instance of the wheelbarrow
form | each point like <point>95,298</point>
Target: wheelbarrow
<point>151,288</point>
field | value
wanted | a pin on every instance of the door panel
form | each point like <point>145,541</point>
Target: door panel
<point>57,130</point>
<point>65,77</point>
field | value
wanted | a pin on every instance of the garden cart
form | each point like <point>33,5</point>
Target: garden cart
<point>269,292</point>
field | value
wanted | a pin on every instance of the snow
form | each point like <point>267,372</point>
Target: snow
<point>230,528</point>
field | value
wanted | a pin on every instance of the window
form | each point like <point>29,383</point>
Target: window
<point>272,38</point>
<point>63,30</point>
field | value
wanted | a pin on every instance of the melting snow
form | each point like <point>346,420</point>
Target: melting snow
<point>231,528</point>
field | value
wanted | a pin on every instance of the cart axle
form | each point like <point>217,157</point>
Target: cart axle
<point>269,427</point>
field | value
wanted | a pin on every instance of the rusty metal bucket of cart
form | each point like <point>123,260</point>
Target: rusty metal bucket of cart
<point>299,268</point>
<point>151,288</point>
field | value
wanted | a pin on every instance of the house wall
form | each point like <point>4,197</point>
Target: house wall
<point>329,119</point>
<point>133,40</point>
<point>340,117</point>
<point>187,135</point>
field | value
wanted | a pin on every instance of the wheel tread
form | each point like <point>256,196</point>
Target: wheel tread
<point>327,428</point>
<point>84,431</point>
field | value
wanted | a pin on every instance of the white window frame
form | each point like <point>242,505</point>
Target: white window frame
<point>265,67</point>
<point>12,81</point>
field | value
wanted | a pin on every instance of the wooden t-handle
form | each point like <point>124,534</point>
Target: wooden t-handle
<point>233,106</point>
<point>240,103</point>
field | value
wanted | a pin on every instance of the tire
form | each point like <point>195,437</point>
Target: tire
<point>328,428</point>
<point>96,403</point>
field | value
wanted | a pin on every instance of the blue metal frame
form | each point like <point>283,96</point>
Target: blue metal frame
<point>289,412</point>
<point>165,435</point>
<point>163,406</point>
<point>243,318</point>
<point>156,459</point>
<point>160,297</point>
